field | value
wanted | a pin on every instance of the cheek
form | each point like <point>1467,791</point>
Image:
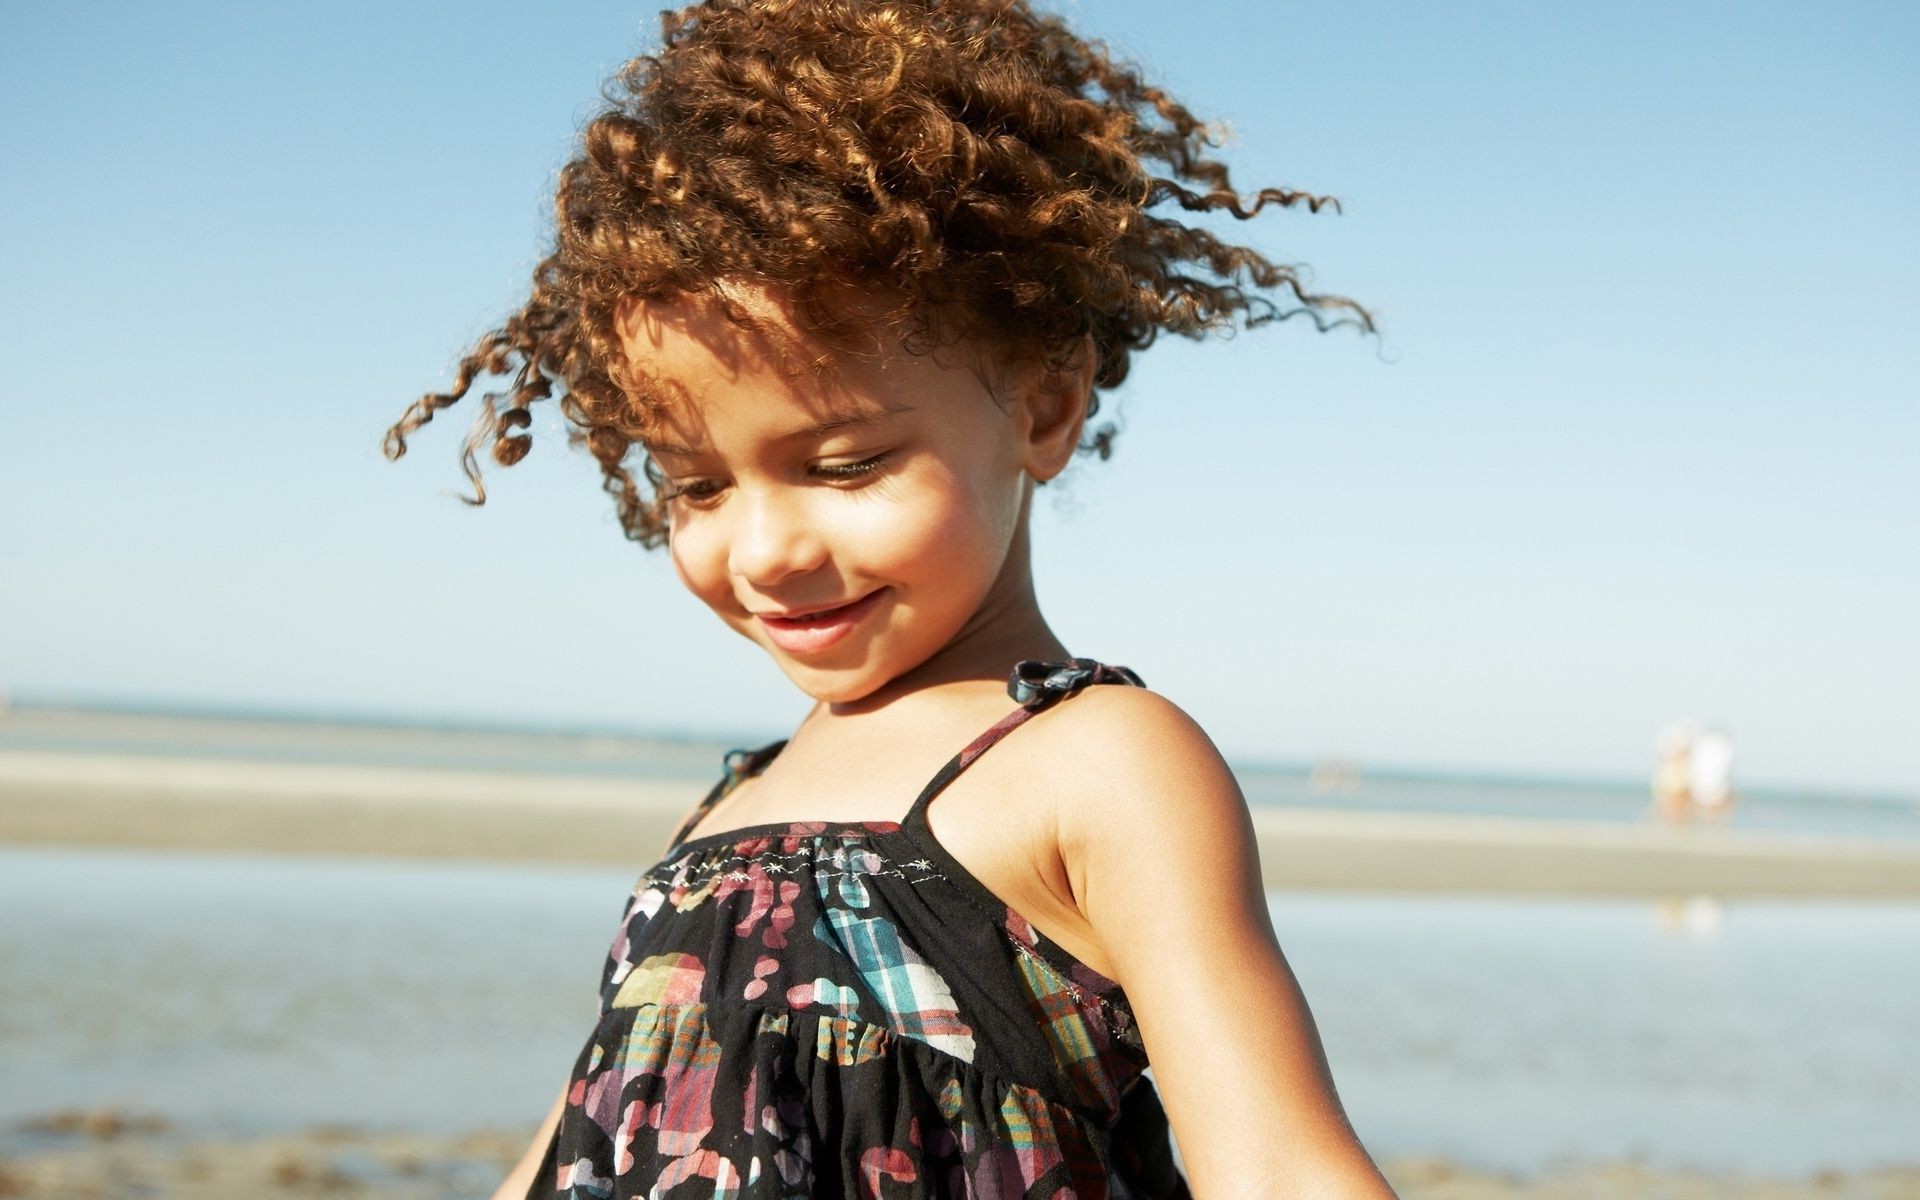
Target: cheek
<point>949,532</point>
<point>700,562</point>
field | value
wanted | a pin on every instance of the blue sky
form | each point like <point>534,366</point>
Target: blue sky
<point>1638,441</point>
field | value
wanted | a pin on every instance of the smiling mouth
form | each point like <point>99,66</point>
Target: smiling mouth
<point>808,633</point>
<point>812,615</point>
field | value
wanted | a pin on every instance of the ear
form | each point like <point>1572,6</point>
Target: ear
<point>1056,410</point>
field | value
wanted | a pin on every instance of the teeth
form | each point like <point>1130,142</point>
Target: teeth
<point>818,612</point>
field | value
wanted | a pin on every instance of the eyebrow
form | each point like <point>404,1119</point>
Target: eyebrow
<point>817,429</point>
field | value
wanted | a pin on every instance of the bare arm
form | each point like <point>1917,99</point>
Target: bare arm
<point>1163,865</point>
<point>519,1181</point>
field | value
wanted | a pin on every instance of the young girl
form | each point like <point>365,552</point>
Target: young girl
<point>851,274</point>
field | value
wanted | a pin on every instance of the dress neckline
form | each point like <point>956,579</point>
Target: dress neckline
<point>930,852</point>
<point>1036,685</point>
<point>771,830</point>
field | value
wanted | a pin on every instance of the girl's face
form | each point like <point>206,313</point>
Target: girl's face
<point>852,524</point>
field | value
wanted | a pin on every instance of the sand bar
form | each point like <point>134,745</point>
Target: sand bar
<point>347,1162</point>
<point>65,798</point>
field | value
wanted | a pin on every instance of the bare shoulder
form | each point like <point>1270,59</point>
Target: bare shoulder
<point>1158,846</point>
<point>1137,769</point>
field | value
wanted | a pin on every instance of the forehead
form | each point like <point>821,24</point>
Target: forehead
<point>685,430</point>
<point>695,373</point>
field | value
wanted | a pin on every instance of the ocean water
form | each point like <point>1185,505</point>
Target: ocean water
<point>241,993</point>
<point>617,755</point>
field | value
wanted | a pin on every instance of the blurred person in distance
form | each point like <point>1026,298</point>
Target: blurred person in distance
<point>1710,775</point>
<point>1673,798</point>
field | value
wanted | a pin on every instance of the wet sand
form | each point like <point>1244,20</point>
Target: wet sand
<point>155,801</point>
<point>89,1155</point>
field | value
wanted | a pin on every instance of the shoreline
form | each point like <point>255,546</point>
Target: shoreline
<point>105,1152</point>
<point>57,798</point>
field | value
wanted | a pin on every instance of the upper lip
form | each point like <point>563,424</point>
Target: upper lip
<point>793,613</point>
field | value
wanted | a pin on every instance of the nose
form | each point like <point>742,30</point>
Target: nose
<point>773,538</point>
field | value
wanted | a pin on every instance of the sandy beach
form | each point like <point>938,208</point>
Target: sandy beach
<point>97,1155</point>
<point>154,801</point>
<point>307,794</point>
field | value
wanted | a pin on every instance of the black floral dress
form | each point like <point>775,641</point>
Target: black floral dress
<point>840,1009</point>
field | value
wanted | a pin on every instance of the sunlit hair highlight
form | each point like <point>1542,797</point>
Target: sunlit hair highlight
<point>971,169</point>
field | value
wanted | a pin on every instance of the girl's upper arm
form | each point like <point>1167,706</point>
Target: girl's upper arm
<point>1159,848</point>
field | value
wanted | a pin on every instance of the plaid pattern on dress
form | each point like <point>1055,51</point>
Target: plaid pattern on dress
<point>916,1001</point>
<point>840,1008</point>
<point>1061,1014</point>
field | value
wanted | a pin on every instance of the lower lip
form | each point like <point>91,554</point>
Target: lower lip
<point>817,633</point>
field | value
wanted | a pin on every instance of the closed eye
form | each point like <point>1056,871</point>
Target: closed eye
<point>853,470</point>
<point>698,490</point>
<point>694,490</point>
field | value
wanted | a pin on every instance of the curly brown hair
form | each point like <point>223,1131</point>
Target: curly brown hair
<point>976,162</point>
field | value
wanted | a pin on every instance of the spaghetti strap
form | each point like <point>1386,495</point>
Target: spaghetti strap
<point>1036,685</point>
<point>739,763</point>
<point>832,986</point>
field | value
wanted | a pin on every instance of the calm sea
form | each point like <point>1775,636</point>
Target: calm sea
<point>237,993</point>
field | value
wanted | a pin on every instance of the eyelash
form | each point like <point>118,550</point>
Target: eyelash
<point>844,471</point>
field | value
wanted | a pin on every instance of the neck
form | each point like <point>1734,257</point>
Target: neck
<point>1006,628</point>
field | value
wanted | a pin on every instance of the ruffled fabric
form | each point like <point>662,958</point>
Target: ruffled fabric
<point>838,1009</point>
<point>736,1097</point>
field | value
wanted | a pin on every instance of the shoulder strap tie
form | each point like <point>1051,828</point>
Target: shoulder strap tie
<point>1035,683</point>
